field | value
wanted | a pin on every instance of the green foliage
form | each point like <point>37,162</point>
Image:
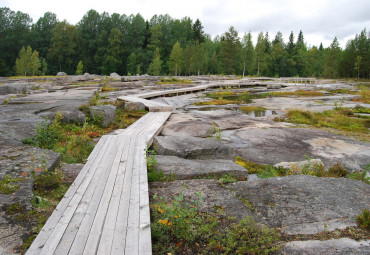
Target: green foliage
<point>179,226</point>
<point>363,219</point>
<point>6,186</point>
<point>176,59</point>
<point>80,68</point>
<point>28,62</point>
<point>126,44</point>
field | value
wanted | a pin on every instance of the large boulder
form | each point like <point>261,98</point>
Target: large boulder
<point>61,74</point>
<point>190,169</point>
<point>115,76</point>
<point>134,106</point>
<point>71,171</point>
<point>193,148</point>
<point>341,246</point>
<point>103,113</point>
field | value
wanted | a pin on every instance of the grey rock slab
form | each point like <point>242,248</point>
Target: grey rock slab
<point>275,145</point>
<point>106,112</point>
<point>190,169</point>
<point>71,171</point>
<point>214,196</point>
<point>341,246</point>
<point>14,88</point>
<point>193,148</point>
<point>304,204</point>
<point>61,74</point>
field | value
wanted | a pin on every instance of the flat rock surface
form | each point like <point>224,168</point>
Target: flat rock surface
<point>193,148</point>
<point>295,204</point>
<point>275,145</point>
<point>304,204</point>
<point>214,196</point>
<point>190,169</point>
<point>342,246</point>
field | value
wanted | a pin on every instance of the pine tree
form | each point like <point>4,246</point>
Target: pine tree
<point>332,60</point>
<point>176,59</point>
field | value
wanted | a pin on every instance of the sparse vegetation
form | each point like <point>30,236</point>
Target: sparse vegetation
<point>173,80</point>
<point>179,227</point>
<point>249,109</point>
<point>340,119</point>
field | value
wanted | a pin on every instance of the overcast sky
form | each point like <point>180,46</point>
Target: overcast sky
<point>320,20</point>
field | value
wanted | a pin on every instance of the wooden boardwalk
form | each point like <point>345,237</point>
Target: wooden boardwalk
<point>106,209</point>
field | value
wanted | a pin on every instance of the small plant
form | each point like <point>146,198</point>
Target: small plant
<point>363,219</point>
<point>216,132</point>
<point>225,179</point>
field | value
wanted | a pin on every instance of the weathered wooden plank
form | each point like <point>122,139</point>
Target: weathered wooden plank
<point>81,180</point>
<point>119,236</point>
<point>75,223</point>
<point>133,218</point>
<point>106,239</point>
<point>94,195</point>
<point>85,191</point>
<point>99,220</point>
<point>145,242</point>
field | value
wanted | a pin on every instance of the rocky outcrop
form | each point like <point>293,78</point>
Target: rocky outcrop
<point>295,204</point>
<point>103,113</point>
<point>190,169</point>
<point>303,204</point>
<point>193,148</point>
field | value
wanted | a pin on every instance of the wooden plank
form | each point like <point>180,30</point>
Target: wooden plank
<point>99,220</point>
<point>119,236</point>
<point>106,239</point>
<point>75,223</point>
<point>84,177</point>
<point>133,219</point>
<point>145,241</point>
<point>94,197</point>
<point>85,191</point>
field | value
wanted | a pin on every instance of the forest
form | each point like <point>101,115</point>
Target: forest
<point>130,45</point>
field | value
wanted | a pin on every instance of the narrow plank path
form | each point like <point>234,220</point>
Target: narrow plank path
<point>106,209</point>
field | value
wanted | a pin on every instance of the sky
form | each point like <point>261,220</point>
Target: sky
<point>319,20</point>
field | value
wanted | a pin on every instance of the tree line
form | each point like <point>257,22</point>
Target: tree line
<point>129,45</point>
